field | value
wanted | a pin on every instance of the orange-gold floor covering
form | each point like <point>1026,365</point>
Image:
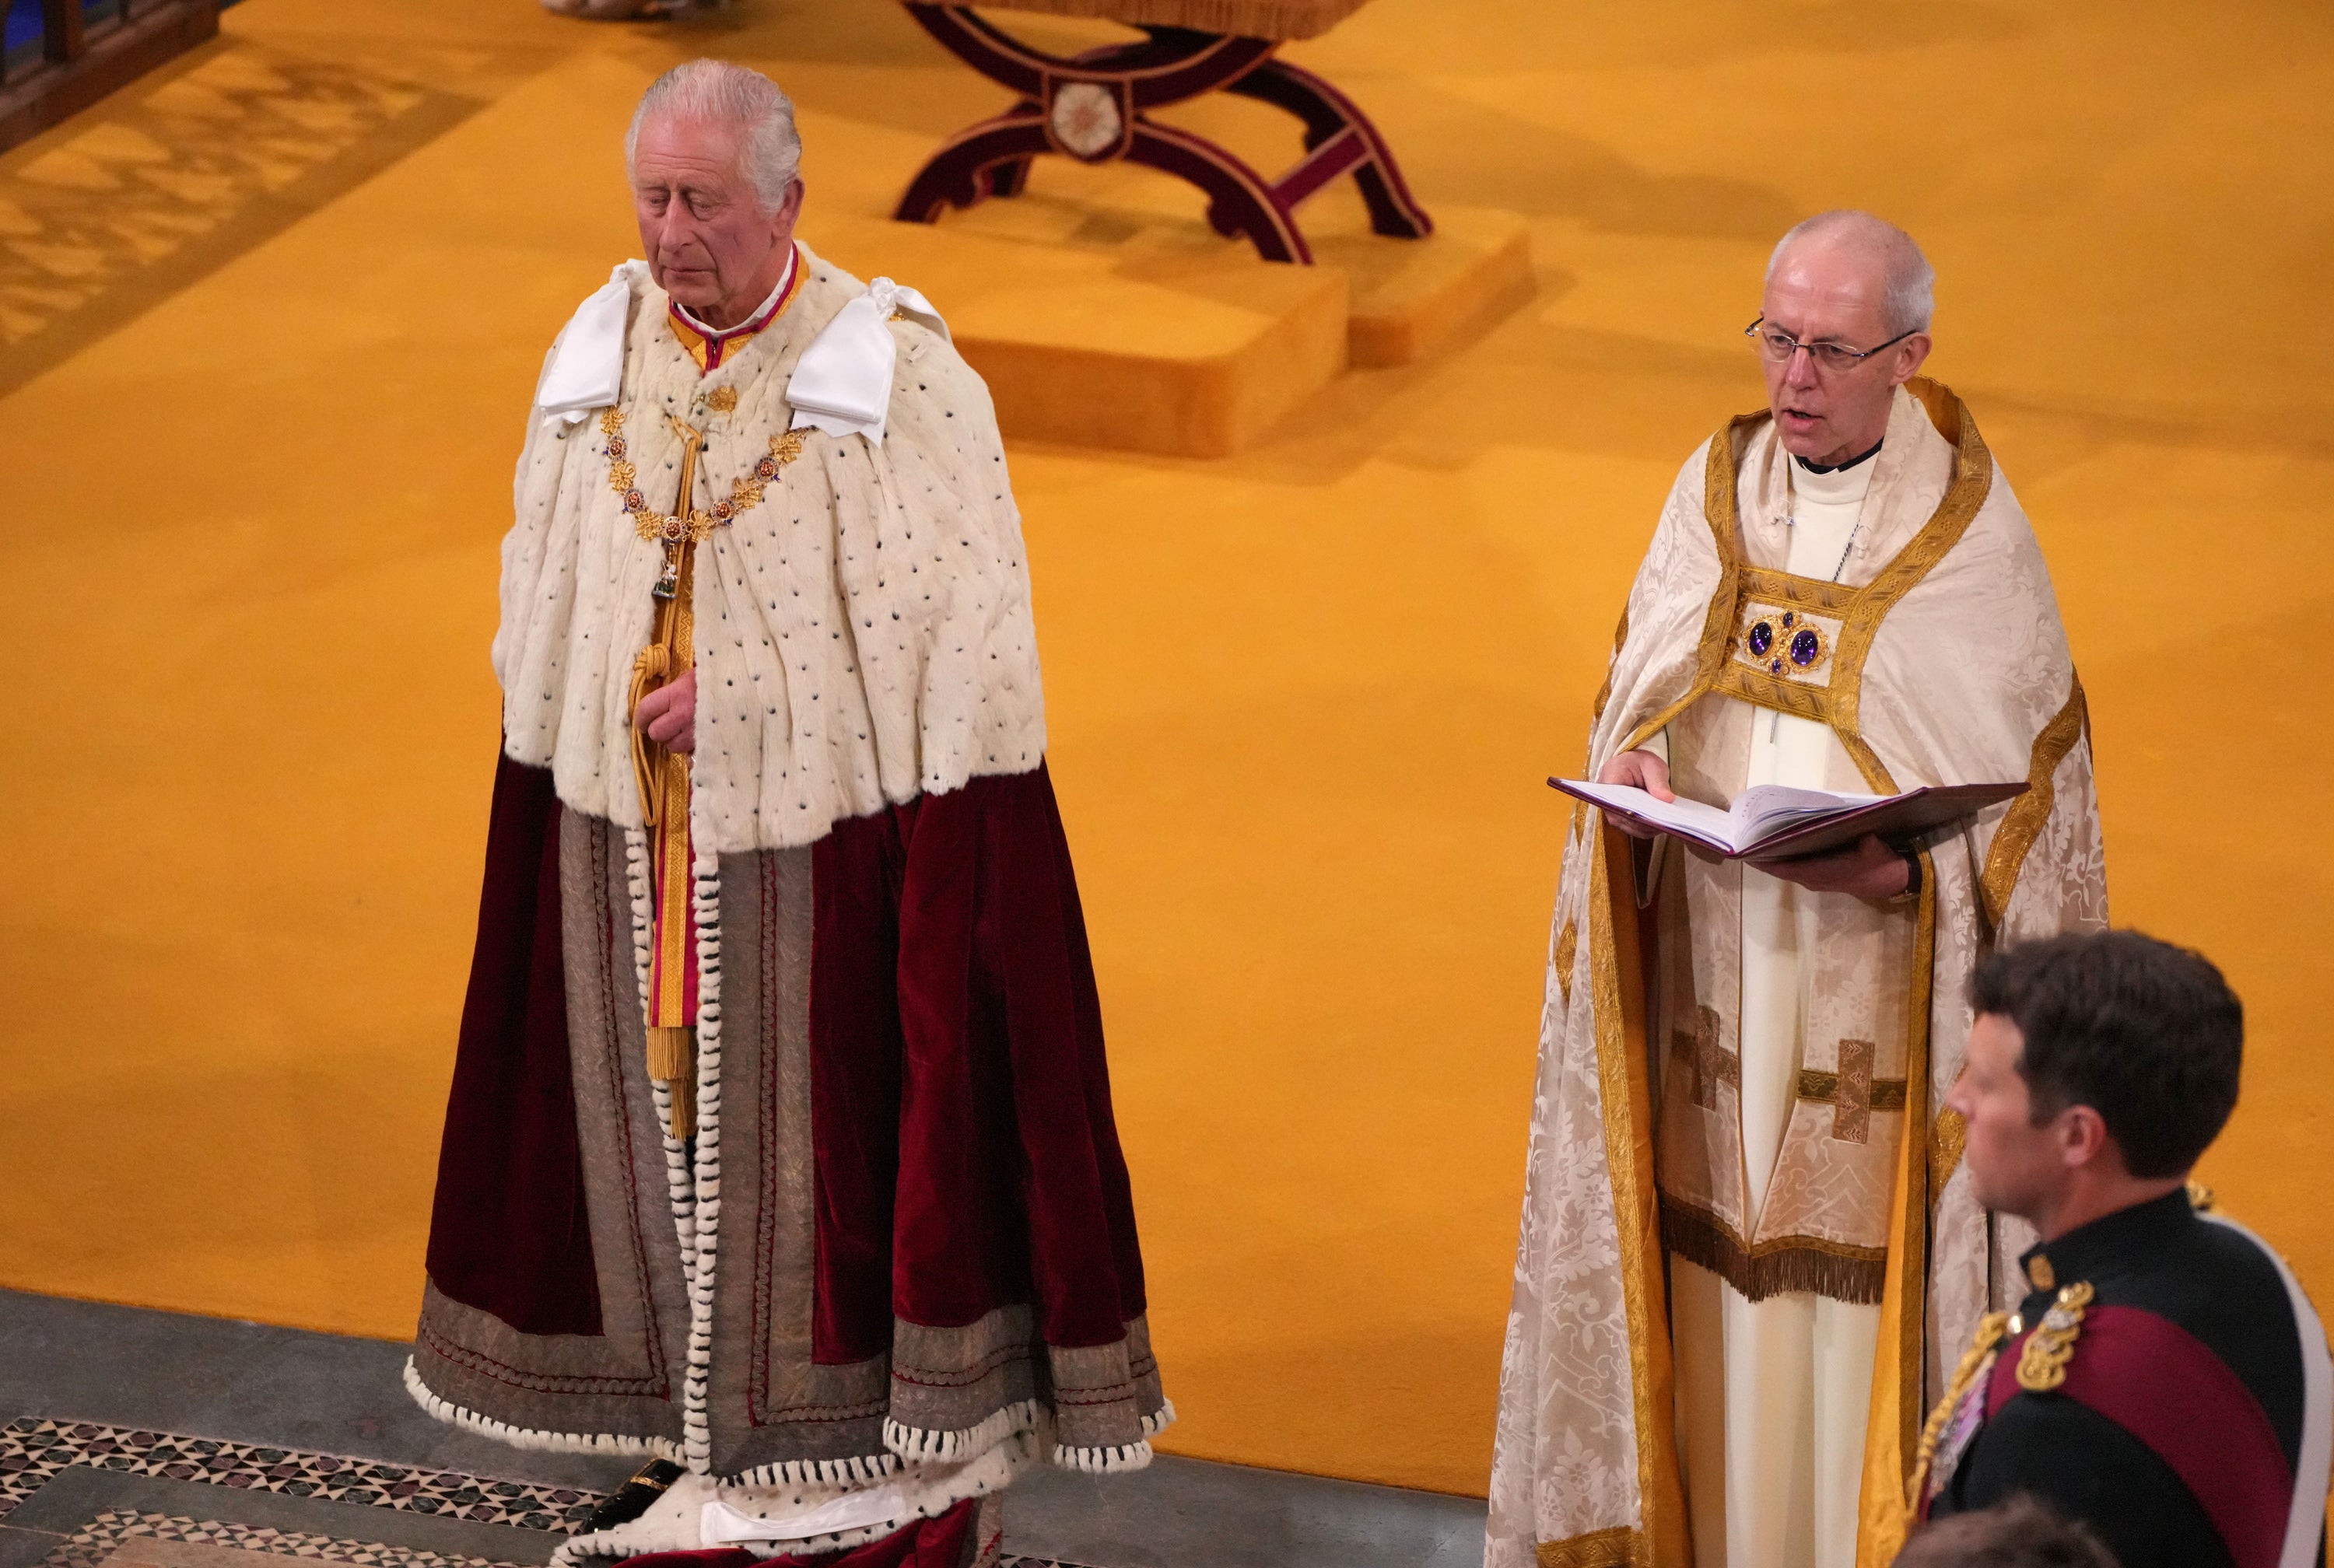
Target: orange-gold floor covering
<point>1302,700</point>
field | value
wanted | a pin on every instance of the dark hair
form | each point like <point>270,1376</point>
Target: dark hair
<point>2017,1533</point>
<point>2148,1034</point>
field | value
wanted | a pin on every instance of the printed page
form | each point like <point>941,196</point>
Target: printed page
<point>1765,810</point>
<point>1691,818</point>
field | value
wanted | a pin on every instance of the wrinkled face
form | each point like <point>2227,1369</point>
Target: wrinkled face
<point>709,244</point>
<point>1827,289</point>
<point>2014,1166</point>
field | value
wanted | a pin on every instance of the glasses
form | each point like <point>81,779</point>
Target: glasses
<point>1777,347</point>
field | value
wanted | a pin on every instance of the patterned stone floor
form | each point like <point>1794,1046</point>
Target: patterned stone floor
<point>201,1442</point>
<point>36,1453</point>
<point>113,1538</point>
<point>180,174</point>
<point>33,1452</point>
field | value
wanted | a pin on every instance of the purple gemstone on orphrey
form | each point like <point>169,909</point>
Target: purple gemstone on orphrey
<point>1805,646</point>
<point>1775,667</point>
<point>1761,639</point>
<point>1788,617</point>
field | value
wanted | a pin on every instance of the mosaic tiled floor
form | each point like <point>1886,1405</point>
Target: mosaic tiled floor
<point>33,1452</point>
<point>176,176</point>
<point>102,1540</point>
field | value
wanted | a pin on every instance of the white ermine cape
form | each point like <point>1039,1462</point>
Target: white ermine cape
<point>863,634</point>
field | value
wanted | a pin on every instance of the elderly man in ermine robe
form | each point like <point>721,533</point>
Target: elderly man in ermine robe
<point>1745,1240</point>
<point>780,1144</point>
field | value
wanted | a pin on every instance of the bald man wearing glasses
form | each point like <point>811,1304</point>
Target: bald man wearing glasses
<point>1746,1241</point>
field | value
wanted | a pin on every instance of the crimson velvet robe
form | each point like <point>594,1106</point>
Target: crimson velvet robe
<point>904,1228</point>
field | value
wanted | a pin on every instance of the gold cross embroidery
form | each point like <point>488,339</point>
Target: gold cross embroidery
<point>1706,1064</point>
<point>1853,1093</point>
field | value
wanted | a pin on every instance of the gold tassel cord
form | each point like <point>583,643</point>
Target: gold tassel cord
<point>662,776</point>
<point>672,1062</point>
<point>648,673</point>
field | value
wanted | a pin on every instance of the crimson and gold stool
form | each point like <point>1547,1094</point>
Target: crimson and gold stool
<point>1093,108</point>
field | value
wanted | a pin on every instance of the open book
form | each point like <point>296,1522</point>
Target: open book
<point>1776,822</point>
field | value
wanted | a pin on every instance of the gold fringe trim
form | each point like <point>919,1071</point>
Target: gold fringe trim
<point>672,1062</point>
<point>1618,1547</point>
<point>671,1053</point>
<point>1831,1269</point>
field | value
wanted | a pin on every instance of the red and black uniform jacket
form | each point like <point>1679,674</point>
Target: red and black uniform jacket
<point>2186,1379</point>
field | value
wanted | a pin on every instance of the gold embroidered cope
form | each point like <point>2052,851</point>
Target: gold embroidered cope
<point>1591,1288</point>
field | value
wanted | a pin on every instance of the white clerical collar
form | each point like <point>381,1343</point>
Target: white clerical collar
<point>1840,486</point>
<point>761,312</point>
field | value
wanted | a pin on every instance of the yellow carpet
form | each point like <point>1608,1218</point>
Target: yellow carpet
<point>1302,700</point>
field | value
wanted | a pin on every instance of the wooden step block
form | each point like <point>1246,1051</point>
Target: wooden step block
<point>1183,353</point>
<point>1414,299</point>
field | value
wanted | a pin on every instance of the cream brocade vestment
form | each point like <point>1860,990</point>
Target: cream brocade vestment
<point>1735,1095</point>
<point>1772,1392</point>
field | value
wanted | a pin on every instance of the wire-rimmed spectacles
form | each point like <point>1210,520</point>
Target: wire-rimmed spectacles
<point>1777,346</point>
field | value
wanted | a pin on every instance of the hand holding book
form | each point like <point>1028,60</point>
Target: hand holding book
<point>1646,770</point>
<point>1868,869</point>
<point>1781,829</point>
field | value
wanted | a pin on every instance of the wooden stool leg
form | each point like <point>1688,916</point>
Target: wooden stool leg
<point>991,158</point>
<point>1010,178</point>
<point>1171,66</point>
<point>1240,200</point>
<point>1331,117</point>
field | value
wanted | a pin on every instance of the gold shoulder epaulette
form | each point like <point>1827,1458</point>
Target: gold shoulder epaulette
<point>2043,1364</point>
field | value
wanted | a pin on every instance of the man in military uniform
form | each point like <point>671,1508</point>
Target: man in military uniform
<point>2164,1380</point>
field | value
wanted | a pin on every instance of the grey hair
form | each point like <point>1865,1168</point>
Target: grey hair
<point>1908,289</point>
<point>769,148</point>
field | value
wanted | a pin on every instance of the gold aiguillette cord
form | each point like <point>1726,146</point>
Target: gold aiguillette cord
<point>662,776</point>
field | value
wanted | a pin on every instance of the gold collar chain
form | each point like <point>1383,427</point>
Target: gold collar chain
<point>691,526</point>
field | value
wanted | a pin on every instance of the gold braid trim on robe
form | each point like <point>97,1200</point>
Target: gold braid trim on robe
<point>1627,1098</point>
<point>1949,664</point>
<point>1619,1547</point>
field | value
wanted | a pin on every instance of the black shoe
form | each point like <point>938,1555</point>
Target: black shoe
<point>635,1497</point>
